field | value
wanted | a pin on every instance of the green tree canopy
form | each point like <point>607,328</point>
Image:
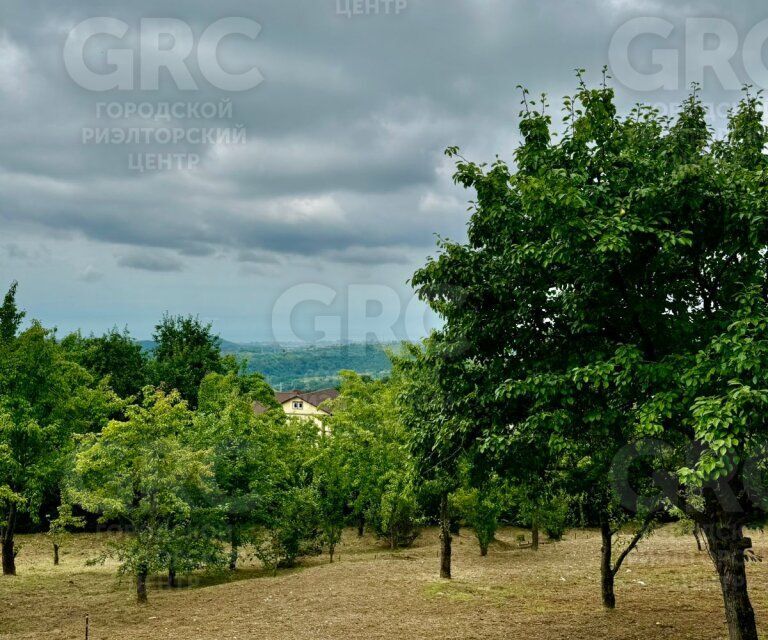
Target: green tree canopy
<point>607,257</point>
<point>114,355</point>
<point>186,351</point>
<point>45,400</point>
<point>244,449</point>
<point>142,470</point>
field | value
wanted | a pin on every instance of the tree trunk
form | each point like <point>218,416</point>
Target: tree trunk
<point>445,538</point>
<point>55,555</point>
<point>726,547</point>
<point>483,550</point>
<point>141,586</point>
<point>234,541</point>
<point>535,532</point>
<point>696,532</point>
<point>606,568</point>
<point>171,576</point>
<point>331,550</point>
<point>7,542</point>
<point>360,525</point>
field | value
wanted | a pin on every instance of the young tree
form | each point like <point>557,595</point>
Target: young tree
<point>290,524</point>
<point>371,438</point>
<point>606,259</point>
<point>140,469</point>
<point>292,529</point>
<point>244,452</point>
<point>297,525</point>
<point>60,529</point>
<point>10,315</point>
<point>332,482</point>
<point>481,508</point>
<point>397,517</point>
<point>190,541</point>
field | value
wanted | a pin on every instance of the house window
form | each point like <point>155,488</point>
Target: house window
<point>298,404</point>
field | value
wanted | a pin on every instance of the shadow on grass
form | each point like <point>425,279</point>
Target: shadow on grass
<point>214,578</point>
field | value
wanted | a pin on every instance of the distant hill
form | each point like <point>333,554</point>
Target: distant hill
<point>315,367</point>
<point>226,346</point>
<point>307,367</point>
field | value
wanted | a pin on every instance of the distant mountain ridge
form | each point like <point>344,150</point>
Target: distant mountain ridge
<point>307,367</point>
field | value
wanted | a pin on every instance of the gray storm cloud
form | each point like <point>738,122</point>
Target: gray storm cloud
<point>342,161</point>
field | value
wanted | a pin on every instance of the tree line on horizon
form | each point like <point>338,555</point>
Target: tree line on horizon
<point>167,448</point>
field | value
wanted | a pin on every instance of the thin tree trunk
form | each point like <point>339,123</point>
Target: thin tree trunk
<point>726,547</point>
<point>606,568</point>
<point>535,532</point>
<point>234,540</point>
<point>56,555</point>
<point>696,532</point>
<point>171,576</point>
<point>141,586</point>
<point>445,537</point>
<point>360,525</point>
<point>7,542</point>
<point>483,549</point>
<point>331,550</point>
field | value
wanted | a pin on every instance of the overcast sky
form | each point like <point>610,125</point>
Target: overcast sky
<point>341,183</point>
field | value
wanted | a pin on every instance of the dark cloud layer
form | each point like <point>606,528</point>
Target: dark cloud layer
<point>343,164</point>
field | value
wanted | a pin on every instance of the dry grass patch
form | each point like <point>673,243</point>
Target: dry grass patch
<point>666,590</point>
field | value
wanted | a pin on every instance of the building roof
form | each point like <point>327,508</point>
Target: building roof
<point>312,397</point>
<point>259,408</point>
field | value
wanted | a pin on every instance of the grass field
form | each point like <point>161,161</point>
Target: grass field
<point>665,590</point>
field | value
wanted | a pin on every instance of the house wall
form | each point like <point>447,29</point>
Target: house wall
<point>308,411</point>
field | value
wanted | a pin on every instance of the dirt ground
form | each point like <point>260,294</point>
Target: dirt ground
<point>665,590</point>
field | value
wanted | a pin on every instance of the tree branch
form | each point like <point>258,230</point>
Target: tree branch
<point>635,540</point>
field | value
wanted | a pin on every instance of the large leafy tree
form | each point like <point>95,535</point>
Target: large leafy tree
<point>186,351</point>
<point>216,388</point>
<point>435,440</point>
<point>115,356</point>
<point>594,271</point>
<point>719,395</point>
<point>45,400</point>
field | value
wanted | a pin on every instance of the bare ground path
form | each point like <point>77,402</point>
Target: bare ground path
<point>666,589</point>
